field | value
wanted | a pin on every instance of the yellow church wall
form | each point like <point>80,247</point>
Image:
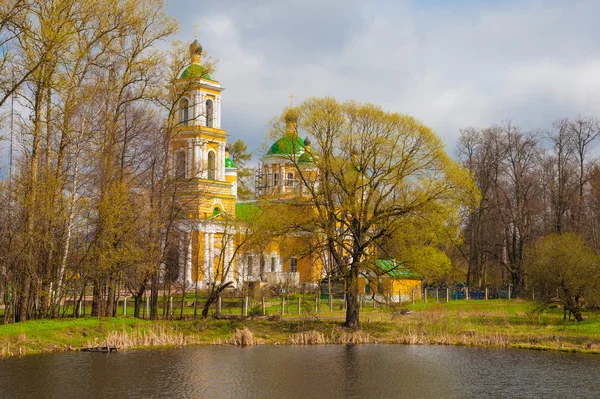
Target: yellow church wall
<point>197,251</point>
<point>308,266</point>
<point>217,262</point>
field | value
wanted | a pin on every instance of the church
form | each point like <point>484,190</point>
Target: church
<point>212,248</point>
<point>206,188</point>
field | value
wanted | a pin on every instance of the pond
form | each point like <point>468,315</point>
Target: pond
<point>367,371</point>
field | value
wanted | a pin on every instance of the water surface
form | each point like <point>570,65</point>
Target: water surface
<point>369,371</point>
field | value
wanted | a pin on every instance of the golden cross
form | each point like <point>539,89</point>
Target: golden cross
<point>196,30</point>
<point>291,97</point>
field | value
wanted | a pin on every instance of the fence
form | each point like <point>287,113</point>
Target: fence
<point>446,294</point>
<point>176,306</point>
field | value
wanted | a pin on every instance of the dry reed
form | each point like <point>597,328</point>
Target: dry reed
<point>307,338</point>
<point>243,337</point>
<point>158,335</point>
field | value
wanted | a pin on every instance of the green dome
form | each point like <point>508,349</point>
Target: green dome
<point>229,163</point>
<point>195,70</point>
<point>305,158</point>
<point>287,145</point>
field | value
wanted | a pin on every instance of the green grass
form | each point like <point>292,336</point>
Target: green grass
<point>476,322</point>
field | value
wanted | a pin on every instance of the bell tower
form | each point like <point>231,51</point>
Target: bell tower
<point>199,154</point>
<point>205,178</point>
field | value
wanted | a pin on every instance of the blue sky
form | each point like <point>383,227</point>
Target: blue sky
<point>451,64</point>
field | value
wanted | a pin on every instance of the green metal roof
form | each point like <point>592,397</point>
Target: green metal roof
<point>229,163</point>
<point>305,158</point>
<point>287,145</point>
<point>396,270</point>
<point>196,71</point>
<point>246,211</point>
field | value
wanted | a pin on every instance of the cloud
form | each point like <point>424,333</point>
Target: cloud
<point>450,64</point>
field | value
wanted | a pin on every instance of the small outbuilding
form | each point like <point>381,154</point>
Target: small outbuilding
<point>390,281</point>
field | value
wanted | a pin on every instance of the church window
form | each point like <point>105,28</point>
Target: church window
<point>290,179</point>
<point>211,165</point>
<point>250,265</point>
<point>180,165</point>
<point>275,179</point>
<point>184,111</point>
<point>209,113</point>
<point>273,264</point>
<point>293,264</point>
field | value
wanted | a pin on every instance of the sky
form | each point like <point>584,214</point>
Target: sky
<point>450,64</point>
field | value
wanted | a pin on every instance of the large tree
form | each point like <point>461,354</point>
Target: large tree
<point>376,170</point>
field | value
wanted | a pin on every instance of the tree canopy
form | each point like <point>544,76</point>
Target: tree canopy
<point>564,269</point>
<point>379,174</point>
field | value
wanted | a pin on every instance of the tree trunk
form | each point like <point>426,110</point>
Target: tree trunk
<point>154,296</point>
<point>352,320</point>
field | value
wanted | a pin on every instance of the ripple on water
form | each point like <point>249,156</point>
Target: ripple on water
<point>332,371</point>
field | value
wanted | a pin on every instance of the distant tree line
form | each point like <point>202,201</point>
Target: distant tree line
<point>533,184</point>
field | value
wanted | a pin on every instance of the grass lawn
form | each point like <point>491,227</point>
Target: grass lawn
<point>501,323</point>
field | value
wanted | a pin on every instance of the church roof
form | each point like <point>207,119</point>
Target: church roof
<point>306,158</point>
<point>196,71</point>
<point>246,211</point>
<point>287,145</point>
<point>195,48</point>
<point>229,163</point>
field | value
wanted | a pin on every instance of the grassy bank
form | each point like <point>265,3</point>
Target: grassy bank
<point>498,323</point>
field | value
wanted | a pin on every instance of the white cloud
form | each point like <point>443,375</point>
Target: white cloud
<point>450,64</point>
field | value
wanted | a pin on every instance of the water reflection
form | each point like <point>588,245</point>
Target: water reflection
<point>373,371</point>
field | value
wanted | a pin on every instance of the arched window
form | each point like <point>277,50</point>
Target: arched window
<point>293,264</point>
<point>250,265</point>
<point>211,165</point>
<point>184,111</point>
<point>290,179</point>
<point>180,165</point>
<point>275,179</point>
<point>273,264</point>
<point>209,113</point>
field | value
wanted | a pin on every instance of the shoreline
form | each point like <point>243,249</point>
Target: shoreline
<point>476,324</point>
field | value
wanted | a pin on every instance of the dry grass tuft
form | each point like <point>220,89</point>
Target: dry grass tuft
<point>158,335</point>
<point>307,338</point>
<point>351,337</point>
<point>243,337</point>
